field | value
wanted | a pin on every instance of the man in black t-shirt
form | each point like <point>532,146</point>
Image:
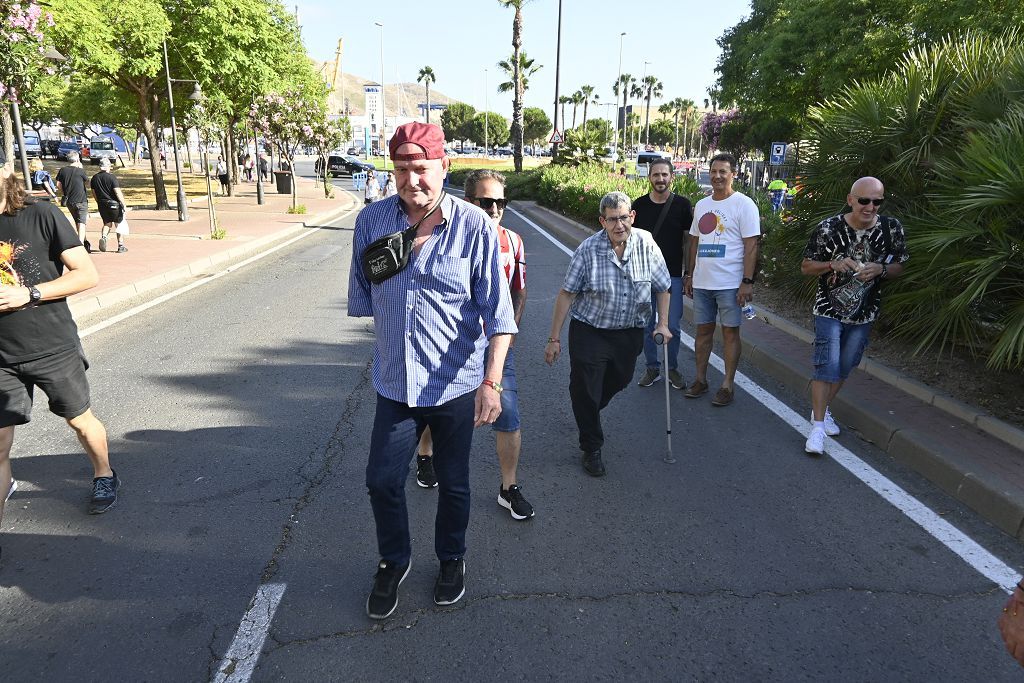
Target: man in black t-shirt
<point>670,236</point>
<point>852,254</point>
<point>72,183</point>
<point>110,201</point>
<point>41,263</point>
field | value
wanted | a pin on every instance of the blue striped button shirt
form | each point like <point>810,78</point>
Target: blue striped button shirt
<point>432,320</point>
<point>613,294</point>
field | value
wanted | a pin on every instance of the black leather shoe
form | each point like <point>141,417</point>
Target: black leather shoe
<point>592,463</point>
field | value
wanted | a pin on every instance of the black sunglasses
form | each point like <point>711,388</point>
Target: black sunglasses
<point>864,201</point>
<point>486,203</point>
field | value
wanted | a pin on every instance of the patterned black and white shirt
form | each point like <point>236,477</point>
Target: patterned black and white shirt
<point>840,295</point>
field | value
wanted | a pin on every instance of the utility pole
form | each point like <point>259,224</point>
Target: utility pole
<point>558,66</point>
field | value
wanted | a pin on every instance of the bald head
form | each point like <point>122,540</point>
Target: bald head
<point>866,186</point>
<point>866,195</point>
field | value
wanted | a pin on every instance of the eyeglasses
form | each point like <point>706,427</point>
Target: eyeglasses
<point>486,203</point>
<point>864,201</point>
<point>616,219</point>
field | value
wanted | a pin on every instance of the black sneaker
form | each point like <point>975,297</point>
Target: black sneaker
<point>384,597</point>
<point>425,475</point>
<point>88,247</point>
<point>513,501</point>
<point>451,582</point>
<point>650,376</point>
<point>104,493</point>
<point>592,463</point>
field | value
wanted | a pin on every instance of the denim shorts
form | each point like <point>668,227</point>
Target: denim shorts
<point>62,378</point>
<point>838,348</point>
<point>712,304</point>
<point>508,420</point>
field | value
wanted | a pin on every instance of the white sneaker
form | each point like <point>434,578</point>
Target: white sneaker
<point>831,428</point>
<point>10,492</point>
<point>815,441</point>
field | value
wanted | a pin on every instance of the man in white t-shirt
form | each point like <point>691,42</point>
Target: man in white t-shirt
<point>720,272</point>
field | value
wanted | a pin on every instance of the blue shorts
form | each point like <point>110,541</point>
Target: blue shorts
<point>712,304</point>
<point>508,420</point>
<point>838,348</point>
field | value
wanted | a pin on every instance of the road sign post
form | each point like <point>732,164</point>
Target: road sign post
<point>778,155</point>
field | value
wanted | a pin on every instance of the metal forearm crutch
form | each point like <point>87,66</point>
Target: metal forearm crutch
<point>660,340</point>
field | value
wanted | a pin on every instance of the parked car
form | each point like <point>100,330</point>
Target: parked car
<point>346,165</point>
<point>50,148</point>
<point>66,146</point>
<point>352,150</point>
<point>102,147</point>
<point>32,146</point>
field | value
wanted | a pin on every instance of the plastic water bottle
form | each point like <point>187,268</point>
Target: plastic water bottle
<point>748,312</point>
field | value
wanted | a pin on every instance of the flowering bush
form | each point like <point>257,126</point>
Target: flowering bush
<point>711,126</point>
<point>287,120</point>
<point>21,28</point>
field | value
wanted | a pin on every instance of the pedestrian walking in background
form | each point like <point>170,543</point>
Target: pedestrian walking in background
<point>667,216</point>
<point>222,176</point>
<point>426,267</point>
<point>777,191</point>
<point>247,167</point>
<point>264,167</point>
<point>41,263</point>
<point>390,188</point>
<point>372,190</point>
<point>613,277</point>
<point>721,262</point>
<point>853,254</point>
<point>486,189</point>
<point>73,184</point>
<point>41,180</point>
<point>111,204</point>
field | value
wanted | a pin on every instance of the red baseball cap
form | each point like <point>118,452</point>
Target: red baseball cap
<point>426,136</point>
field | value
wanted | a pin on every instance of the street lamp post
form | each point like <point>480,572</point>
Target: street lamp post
<point>558,68</point>
<point>618,81</point>
<point>19,134</point>
<point>383,106</point>
<point>182,205</point>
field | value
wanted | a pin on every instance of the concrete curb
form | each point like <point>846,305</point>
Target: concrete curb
<point>199,267</point>
<point>946,458</point>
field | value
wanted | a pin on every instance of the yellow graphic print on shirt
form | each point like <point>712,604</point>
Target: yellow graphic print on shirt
<point>8,275</point>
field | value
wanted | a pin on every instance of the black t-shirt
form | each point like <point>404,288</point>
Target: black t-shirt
<point>72,179</point>
<point>671,236</point>
<point>31,243</point>
<point>840,295</point>
<point>103,184</point>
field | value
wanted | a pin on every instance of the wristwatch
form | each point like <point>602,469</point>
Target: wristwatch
<point>493,385</point>
<point>748,280</point>
<point>34,296</point>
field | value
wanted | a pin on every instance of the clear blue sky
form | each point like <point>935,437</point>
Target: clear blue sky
<point>461,39</point>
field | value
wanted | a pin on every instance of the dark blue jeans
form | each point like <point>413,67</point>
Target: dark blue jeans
<point>396,431</point>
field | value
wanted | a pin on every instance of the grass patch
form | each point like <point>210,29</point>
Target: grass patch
<point>298,209</point>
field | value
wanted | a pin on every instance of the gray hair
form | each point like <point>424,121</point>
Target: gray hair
<point>72,156</point>
<point>613,200</point>
<point>105,163</point>
<point>478,176</point>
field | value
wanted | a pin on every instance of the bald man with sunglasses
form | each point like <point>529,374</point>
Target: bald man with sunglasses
<point>852,254</point>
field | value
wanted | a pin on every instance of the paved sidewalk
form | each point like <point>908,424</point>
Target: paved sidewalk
<point>969,454</point>
<point>163,250</point>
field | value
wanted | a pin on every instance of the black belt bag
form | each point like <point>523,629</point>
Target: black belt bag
<point>389,255</point>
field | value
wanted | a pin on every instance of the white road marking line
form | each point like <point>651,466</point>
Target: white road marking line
<point>240,661</point>
<point>109,322</point>
<point>980,559</point>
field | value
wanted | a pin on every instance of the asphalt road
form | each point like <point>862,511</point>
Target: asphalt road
<point>239,415</point>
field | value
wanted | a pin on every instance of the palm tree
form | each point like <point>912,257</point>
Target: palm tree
<point>683,107</point>
<point>518,80</point>
<point>427,77</point>
<point>665,110</point>
<point>636,90</point>
<point>588,96</point>
<point>564,100</point>
<point>526,70</point>
<point>654,88</point>
<point>577,98</point>
<point>621,87</point>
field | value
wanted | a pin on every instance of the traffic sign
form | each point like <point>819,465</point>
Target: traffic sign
<point>556,138</point>
<point>778,156</point>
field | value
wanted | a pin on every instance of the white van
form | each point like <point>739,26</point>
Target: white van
<point>643,162</point>
<point>102,147</point>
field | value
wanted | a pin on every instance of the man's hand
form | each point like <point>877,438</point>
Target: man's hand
<point>662,329</point>
<point>688,286</point>
<point>552,351</point>
<point>486,406</point>
<point>1011,625</point>
<point>13,297</point>
<point>745,294</point>
<point>869,271</point>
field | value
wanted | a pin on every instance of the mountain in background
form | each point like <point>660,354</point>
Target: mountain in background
<point>400,99</point>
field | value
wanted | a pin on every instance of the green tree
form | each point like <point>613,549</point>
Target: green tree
<point>42,103</point>
<point>589,97</point>
<point>497,128</point>
<point>455,120</point>
<point>622,88</point>
<point>519,75</point>
<point>577,98</point>
<point>562,101</point>
<point>654,88</point>
<point>536,125</point>
<point>426,77</point>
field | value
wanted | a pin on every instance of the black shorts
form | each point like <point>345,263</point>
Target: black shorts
<point>79,213</point>
<point>111,215</point>
<point>62,378</point>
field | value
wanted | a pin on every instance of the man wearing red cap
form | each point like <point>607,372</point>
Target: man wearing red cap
<point>434,364</point>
